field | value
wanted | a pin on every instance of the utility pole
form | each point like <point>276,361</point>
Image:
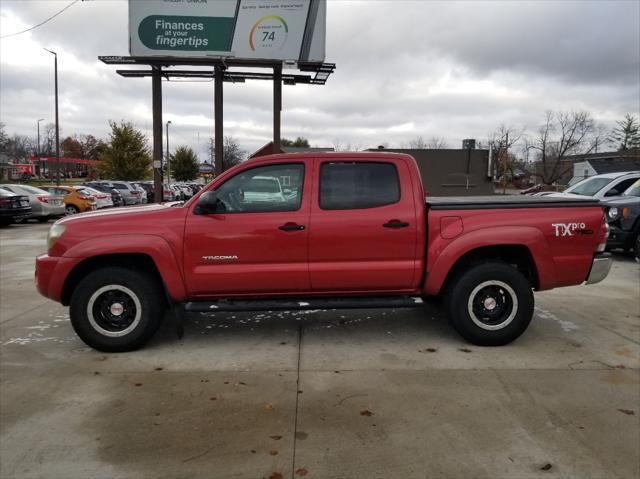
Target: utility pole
<point>168,162</point>
<point>38,150</point>
<point>504,164</point>
<point>217,118</point>
<point>57,124</point>
<point>156,98</point>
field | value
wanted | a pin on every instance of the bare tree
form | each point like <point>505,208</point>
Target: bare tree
<point>437,143</point>
<point>338,145</point>
<point>418,143</point>
<point>501,141</point>
<point>232,154</point>
<point>563,134</point>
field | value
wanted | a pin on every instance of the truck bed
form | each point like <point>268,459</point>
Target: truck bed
<point>503,202</point>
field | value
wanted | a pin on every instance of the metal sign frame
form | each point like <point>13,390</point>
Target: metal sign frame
<point>217,69</point>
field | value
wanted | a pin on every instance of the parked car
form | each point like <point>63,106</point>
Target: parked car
<point>74,200</point>
<point>130,194</point>
<point>103,200</point>
<point>358,233</point>
<point>13,207</point>
<point>116,197</point>
<point>44,205</point>
<point>143,192</point>
<point>149,191</point>
<point>601,186</point>
<point>623,216</point>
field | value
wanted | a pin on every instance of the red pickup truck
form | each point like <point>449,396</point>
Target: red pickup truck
<point>320,231</point>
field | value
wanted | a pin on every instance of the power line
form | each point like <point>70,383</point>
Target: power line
<point>42,23</point>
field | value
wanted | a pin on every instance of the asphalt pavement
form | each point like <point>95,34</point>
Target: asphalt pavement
<point>324,394</point>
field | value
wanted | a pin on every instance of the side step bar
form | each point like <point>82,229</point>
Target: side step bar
<point>289,304</point>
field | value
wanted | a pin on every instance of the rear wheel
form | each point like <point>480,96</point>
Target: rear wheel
<point>43,219</point>
<point>116,309</point>
<point>490,304</point>
<point>71,209</point>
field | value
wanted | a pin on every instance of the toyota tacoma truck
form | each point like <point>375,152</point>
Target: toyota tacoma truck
<point>349,230</point>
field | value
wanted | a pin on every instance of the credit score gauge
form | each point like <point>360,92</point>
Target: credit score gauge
<point>268,33</point>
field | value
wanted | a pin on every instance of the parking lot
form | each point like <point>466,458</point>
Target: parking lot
<point>327,394</point>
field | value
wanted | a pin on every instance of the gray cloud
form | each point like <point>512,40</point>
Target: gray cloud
<point>452,69</point>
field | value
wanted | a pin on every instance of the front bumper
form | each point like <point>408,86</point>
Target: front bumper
<point>619,238</point>
<point>599,268</point>
<point>51,273</point>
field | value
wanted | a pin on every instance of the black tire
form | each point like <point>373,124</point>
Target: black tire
<point>43,219</point>
<point>636,248</point>
<point>71,209</point>
<point>131,324</point>
<point>504,313</point>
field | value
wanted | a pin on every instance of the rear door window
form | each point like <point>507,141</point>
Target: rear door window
<point>358,185</point>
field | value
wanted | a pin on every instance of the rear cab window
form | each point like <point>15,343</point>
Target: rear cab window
<point>346,185</point>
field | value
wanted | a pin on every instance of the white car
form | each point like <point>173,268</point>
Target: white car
<point>103,200</point>
<point>600,186</point>
<point>264,189</point>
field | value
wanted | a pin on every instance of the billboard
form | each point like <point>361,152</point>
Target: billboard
<point>291,30</point>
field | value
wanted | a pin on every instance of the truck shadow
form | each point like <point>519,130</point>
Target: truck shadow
<point>428,321</point>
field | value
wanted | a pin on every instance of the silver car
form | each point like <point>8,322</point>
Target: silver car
<point>44,205</point>
<point>130,194</point>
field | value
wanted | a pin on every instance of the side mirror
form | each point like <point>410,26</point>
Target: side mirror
<point>612,192</point>
<point>207,203</point>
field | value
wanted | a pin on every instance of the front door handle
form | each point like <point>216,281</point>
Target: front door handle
<point>395,224</point>
<point>290,226</point>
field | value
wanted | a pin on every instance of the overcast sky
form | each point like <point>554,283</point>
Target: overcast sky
<point>452,69</point>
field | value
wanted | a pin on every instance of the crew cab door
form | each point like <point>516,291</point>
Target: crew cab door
<point>363,226</point>
<point>256,242</point>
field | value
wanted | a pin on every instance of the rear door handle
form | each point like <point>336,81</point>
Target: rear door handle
<point>395,224</point>
<point>290,226</point>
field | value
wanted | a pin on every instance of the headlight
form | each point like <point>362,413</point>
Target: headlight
<point>55,232</point>
<point>613,213</point>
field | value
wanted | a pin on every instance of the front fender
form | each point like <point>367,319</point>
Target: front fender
<point>445,253</point>
<point>156,247</point>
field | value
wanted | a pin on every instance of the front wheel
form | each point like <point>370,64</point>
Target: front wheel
<point>116,309</point>
<point>490,304</point>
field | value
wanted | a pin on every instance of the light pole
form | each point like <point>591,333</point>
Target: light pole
<point>38,150</point>
<point>57,124</point>
<point>168,162</point>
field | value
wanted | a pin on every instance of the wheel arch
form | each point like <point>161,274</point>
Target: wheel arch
<point>138,261</point>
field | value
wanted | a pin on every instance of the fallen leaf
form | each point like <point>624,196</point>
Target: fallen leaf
<point>464,350</point>
<point>301,472</point>
<point>546,467</point>
<point>138,385</point>
<point>366,412</point>
<point>628,412</point>
<point>276,438</point>
<point>299,391</point>
<point>96,373</point>
<point>431,350</point>
<point>241,383</point>
<point>273,452</point>
<point>269,407</point>
<point>253,451</point>
<point>212,398</point>
<point>275,475</point>
<point>159,369</point>
<point>337,372</point>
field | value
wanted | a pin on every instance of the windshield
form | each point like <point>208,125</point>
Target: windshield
<point>589,186</point>
<point>263,185</point>
<point>633,190</point>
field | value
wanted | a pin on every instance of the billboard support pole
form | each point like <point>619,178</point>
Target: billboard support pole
<point>217,118</point>
<point>277,106</point>
<point>156,95</point>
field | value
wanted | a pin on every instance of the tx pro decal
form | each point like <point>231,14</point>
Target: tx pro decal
<point>232,257</point>
<point>570,229</point>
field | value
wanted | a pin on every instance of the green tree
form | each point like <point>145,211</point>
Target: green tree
<point>184,164</point>
<point>298,142</point>
<point>126,155</point>
<point>627,134</point>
